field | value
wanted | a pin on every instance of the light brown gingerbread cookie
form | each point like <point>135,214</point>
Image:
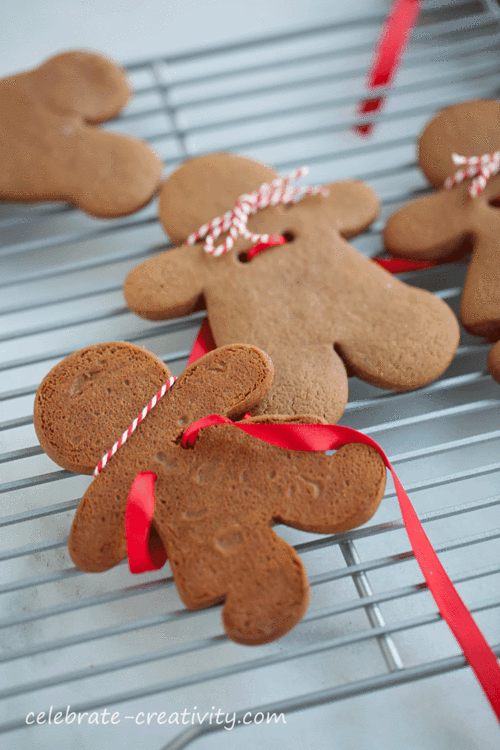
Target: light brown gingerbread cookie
<point>441,224</point>
<point>51,152</point>
<point>316,305</point>
<point>215,502</point>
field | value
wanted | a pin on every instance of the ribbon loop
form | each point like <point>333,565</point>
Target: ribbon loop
<point>143,554</point>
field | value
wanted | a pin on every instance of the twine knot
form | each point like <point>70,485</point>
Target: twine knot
<point>235,221</point>
<point>481,168</point>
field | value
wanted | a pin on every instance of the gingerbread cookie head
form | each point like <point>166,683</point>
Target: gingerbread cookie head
<point>462,211</point>
<point>215,503</point>
<point>467,129</point>
<point>50,151</point>
<point>315,304</point>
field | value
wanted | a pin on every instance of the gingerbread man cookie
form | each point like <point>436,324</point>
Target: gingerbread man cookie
<point>461,212</point>
<point>215,502</point>
<point>316,305</point>
<point>51,152</point>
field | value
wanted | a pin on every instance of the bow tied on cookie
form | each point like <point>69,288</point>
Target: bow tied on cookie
<point>318,307</point>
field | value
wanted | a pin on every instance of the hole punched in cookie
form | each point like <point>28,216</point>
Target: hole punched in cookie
<point>273,241</point>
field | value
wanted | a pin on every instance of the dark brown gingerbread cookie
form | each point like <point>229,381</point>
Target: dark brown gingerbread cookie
<point>316,305</point>
<point>215,502</point>
<point>51,152</point>
<point>440,224</point>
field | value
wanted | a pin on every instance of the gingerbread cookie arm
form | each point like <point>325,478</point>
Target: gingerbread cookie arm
<point>94,166</point>
<point>411,338</point>
<point>83,83</point>
<point>480,305</point>
<point>168,285</point>
<point>229,381</point>
<point>350,206</point>
<point>431,227</point>
<point>328,494</point>
<point>332,494</point>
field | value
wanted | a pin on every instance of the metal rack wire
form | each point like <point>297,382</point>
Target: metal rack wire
<point>111,641</point>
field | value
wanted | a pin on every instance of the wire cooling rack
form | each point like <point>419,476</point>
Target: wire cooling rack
<point>125,643</point>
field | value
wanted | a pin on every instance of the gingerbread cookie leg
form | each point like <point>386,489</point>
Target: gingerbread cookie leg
<point>417,231</point>
<point>200,572</point>
<point>260,577</point>
<point>480,305</point>
<point>268,592</point>
<point>314,382</point>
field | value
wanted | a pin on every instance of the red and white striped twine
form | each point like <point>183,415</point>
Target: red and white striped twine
<point>480,167</point>
<point>107,456</point>
<point>235,221</point>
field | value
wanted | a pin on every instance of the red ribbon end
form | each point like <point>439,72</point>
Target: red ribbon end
<point>144,548</point>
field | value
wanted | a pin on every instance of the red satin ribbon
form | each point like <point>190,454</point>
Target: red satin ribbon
<point>400,265</point>
<point>145,550</point>
<point>273,240</point>
<point>204,342</point>
<point>388,53</point>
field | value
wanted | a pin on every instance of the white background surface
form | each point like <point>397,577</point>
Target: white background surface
<point>131,29</point>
